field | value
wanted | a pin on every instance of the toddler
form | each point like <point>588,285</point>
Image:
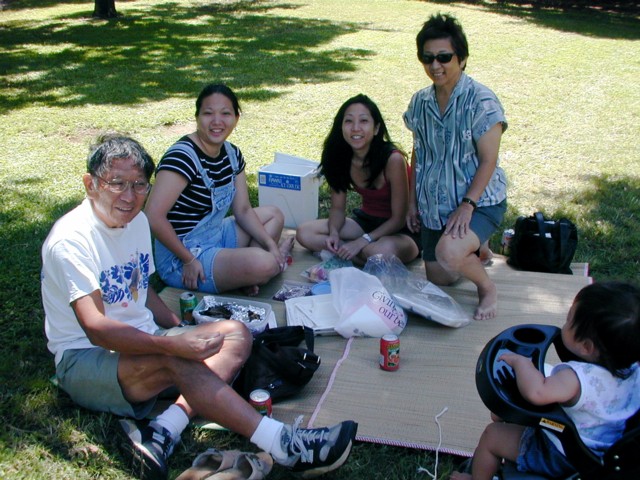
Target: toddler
<point>599,393</point>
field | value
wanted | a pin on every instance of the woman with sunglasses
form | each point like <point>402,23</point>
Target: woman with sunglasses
<point>198,180</point>
<point>458,191</point>
<point>358,154</point>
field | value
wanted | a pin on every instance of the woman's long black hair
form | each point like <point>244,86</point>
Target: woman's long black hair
<point>335,163</point>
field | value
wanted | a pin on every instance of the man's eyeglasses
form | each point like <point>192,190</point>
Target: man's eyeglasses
<point>428,58</point>
<point>119,186</point>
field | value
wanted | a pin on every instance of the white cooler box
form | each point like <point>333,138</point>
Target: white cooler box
<point>291,184</point>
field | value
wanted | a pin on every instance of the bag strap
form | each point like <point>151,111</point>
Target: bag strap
<point>233,159</point>
<point>562,240</point>
<point>309,338</point>
<point>540,220</point>
<point>565,233</point>
<point>542,231</point>
<point>289,335</point>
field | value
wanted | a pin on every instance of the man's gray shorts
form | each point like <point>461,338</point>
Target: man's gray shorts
<point>90,377</point>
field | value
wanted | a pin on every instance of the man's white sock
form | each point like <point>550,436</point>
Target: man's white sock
<point>267,437</point>
<point>173,419</point>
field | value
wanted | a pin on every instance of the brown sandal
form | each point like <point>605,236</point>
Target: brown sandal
<point>210,462</point>
<point>248,466</point>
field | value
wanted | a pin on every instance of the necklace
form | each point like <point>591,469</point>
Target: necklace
<point>202,145</point>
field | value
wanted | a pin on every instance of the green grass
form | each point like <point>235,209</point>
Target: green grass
<point>567,81</point>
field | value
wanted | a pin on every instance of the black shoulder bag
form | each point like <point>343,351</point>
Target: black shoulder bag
<point>277,364</point>
<point>541,245</point>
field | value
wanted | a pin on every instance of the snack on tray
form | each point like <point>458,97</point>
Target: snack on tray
<point>212,309</point>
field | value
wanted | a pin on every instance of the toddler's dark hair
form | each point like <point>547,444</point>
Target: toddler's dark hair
<point>608,314</point>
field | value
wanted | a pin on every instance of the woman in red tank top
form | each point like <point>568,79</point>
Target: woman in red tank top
<point>359,155</point>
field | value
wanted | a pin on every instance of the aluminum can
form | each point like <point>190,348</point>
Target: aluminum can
<point>390,353</point>
<point>507,235</point>
<point>261,401</point>
<point>188,302</point>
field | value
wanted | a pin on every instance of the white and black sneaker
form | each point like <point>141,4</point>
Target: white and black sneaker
<point>151,446</point>
<point>316,451</point>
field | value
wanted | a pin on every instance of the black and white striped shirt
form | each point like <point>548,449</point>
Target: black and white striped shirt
<point>194,203</point>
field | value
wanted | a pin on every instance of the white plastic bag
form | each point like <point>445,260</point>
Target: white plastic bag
<point>414,293</point>
<point>366,309</point>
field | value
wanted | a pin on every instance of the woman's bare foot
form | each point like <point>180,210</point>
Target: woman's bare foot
<point>286,245</point>
<point>251,291</point>
<point>487,302</point>
<point>485,254</point>
<point>460,476</point>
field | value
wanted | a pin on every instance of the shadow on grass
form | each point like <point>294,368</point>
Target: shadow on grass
<point>601,18</point>
<point>610,227</point>
<point>167,51</point>
<point>25,4</point>
<point>607,214</point>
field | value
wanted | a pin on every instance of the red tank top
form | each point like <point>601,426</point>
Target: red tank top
<point>377,202</point>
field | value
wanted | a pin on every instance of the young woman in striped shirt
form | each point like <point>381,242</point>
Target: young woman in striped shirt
<point>198,180</point>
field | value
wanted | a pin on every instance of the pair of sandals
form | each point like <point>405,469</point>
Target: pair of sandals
<point>217,464</point>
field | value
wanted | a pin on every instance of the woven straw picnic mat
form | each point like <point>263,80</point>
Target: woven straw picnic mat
<point>437,363</point>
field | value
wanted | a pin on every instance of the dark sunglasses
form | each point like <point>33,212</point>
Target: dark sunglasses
<point>428,58</point>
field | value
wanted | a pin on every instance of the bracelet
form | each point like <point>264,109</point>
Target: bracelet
<point>189,262</point>
<point>367,237</point>
<point>470,202</point>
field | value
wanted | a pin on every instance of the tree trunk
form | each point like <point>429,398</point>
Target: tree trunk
<point>105,9</point>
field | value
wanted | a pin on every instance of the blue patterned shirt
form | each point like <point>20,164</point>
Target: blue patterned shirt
<point>445,148</point>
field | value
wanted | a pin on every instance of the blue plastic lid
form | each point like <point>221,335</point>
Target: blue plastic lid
<point>322,288</point>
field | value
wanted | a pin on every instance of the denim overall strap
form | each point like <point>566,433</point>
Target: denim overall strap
<point>188,150</point>
<point>221,197</point>
<point>231,153</point>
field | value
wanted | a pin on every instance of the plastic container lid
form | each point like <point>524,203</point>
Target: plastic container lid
<point>322,288</point>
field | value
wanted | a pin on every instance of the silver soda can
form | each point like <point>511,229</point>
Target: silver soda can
<point>507,235</point>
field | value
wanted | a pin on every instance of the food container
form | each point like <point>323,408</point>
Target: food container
<point>255,315</point>
<point>291,184</point>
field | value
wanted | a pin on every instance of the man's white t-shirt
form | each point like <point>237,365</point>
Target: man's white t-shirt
<point>81,255</point>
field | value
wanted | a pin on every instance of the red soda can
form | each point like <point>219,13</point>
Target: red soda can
<point>261,401</point>
<point>390,353</point>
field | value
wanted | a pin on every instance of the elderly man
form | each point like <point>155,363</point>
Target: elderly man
<point>117,346</point>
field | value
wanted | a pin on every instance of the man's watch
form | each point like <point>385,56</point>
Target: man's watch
<point>367,237</point>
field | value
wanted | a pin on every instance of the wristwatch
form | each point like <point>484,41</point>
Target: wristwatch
<point>470,202</point>
<point>367,237</point>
